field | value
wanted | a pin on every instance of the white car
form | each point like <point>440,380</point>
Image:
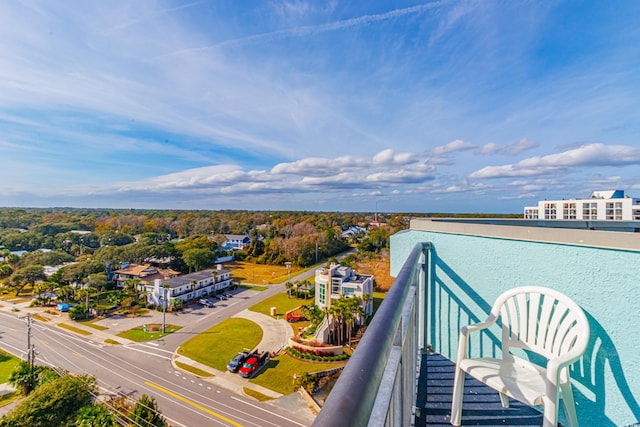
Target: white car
<point>205,302</point>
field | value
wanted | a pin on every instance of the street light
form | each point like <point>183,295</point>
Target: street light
<point>288,264</point>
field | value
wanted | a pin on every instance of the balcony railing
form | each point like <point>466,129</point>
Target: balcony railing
<point>379,384</point>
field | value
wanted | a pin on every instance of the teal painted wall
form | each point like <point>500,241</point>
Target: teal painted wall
<point>467,274</point>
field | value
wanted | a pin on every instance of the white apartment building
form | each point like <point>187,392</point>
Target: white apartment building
<point>607,205</point>
<point>337,280</point>
<point>189,286</point>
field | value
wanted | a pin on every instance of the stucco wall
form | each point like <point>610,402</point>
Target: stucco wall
<point>468,272</point>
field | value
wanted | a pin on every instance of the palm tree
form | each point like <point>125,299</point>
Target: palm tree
<point>289,286</point>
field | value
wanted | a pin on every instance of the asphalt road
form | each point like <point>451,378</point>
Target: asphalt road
<point>131,370</point>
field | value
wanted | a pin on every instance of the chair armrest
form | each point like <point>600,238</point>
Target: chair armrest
<point>466,330</point>
<point>478,326</point>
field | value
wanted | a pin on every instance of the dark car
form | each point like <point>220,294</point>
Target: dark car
<point>237,361</point>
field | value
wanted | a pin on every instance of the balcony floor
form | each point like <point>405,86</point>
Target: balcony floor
<point>481,405</point>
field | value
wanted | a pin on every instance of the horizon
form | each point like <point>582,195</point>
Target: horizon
<point>411,107</point>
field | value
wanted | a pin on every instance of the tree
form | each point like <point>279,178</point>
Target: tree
<point>25,377</point>
<point>54,403</point>
<point>94,415</point>
<point>27,275</point>
<point>146,413</point>
<point>289,286</point>
<point>196,258</point>
<point>5,270</point>
<point>97,280</point>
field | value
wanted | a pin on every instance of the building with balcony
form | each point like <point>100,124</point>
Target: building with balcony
<point>337,281</point>
<point>608,205</point>
<point>146,274</point>
<point>236,241</point>
<point>448,274</point>
<point>190,286</point>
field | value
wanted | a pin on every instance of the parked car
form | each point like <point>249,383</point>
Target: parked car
<point>237,361</point>
<point>228,295</point>
<point>63,307</point>
<point>221,297</point>
<point>205,302</point>
<point>253,363</point>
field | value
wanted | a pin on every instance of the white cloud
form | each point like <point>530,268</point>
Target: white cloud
<point>595,154</point>
<point>520,146</point>
<point>453,146</point>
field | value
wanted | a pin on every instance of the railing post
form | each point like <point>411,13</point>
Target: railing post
<point>422,294</point>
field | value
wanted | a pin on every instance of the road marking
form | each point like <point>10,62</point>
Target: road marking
<point>262,409</point>
<point>195,405</point>
<point>77,354</point>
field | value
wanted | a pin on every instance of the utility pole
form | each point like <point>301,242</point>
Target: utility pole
<point>29,347</point>
<point>164,310</point>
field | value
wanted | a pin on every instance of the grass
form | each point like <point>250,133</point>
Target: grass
<point>153,332</point>
<point>39,317</point>
<point>10,397</point>
<point>74,329</point>
<point>7,365</point>
<point>278,375</point>
<point>260,274</point>
<point>91,324</point>
<point>196,371</point>
<point>254,287</point>
<point>256,394</point>
<point>217,345</point>
<point>378,297</point>
<point>281,302</point>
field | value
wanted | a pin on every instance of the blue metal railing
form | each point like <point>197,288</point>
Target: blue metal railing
<point>378,386</point>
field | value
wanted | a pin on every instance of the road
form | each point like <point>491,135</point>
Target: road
<point>134,369</point>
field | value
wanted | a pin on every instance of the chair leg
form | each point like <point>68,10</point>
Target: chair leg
<point>504,399</point>
<point>550,416</point>
<point>456,401</point>
<point>569,404</point>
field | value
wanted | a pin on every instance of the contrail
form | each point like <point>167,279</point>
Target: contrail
<point>316,29</point>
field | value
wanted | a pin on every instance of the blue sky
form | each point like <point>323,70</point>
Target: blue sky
<point>407,106</point>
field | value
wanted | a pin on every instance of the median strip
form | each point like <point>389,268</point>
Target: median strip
<point>195,405</point>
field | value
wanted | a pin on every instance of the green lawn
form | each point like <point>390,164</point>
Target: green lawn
<point>378,297</point>
<point>7,365</point>
<point>216,346</point>
<point>278,375</point>
<point>153,332</point>
<point>281,302</point>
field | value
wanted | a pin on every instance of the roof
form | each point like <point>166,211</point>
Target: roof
<point>607,194</point>
<point>236,236</point>
<point>186,279</point>
<point>146,271</point>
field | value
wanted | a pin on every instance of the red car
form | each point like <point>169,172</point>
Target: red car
<point>249,367</point>
<point>253,363</point>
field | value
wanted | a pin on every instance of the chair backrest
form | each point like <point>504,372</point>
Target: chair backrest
<point>542,320</point>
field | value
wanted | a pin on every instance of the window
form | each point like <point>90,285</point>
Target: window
<point>335,286</point>
<point>569,210</point>
<point>618,211</point>
<point>609,211</point>
<point>550,211</point>
<point>590,210</point>
<point>321,296</point>
<point>348,291</point>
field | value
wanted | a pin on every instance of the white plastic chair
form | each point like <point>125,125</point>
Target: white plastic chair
<point>540,320</point>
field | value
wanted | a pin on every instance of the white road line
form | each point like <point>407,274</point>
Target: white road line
<point>262,409</point>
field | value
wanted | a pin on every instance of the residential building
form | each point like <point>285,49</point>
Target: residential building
<point>190,286</point>
<point>608,205</point>
<point>236,241</point>
<point>337,281</point>
<point>449,273</point>
<point>146,273</point>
